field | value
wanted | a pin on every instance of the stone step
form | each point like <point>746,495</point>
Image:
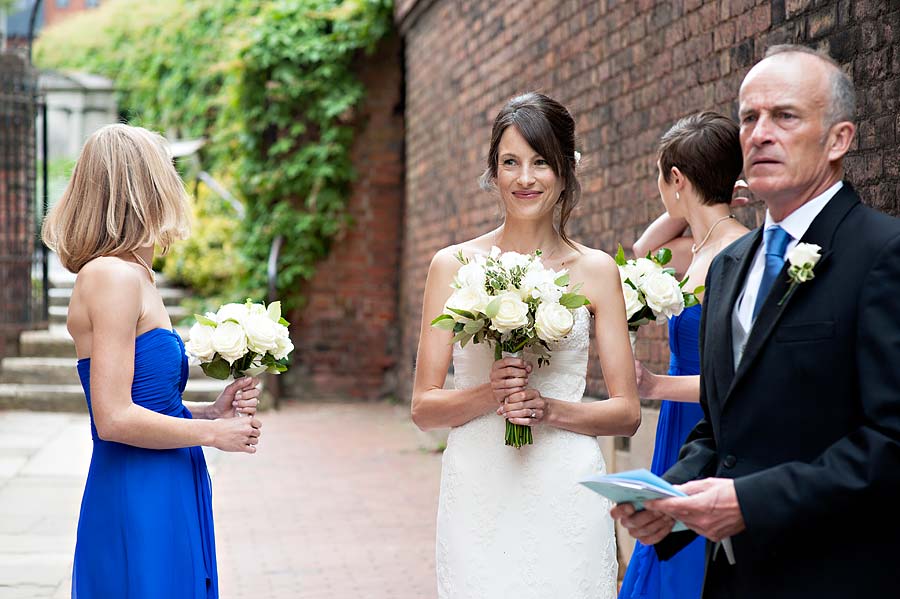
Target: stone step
<point>70,398</point>
<point>171,296</point>
<point>51,371</point>
<point>63,279</point>
<point>56,342</point>
<point>58,314</point>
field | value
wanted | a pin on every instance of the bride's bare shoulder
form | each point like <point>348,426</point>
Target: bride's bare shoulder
<point>449,256</point>
<point>593,260</point>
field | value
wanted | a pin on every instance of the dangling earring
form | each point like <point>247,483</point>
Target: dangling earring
<point>677,197</point>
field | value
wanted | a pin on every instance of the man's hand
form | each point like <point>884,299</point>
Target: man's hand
<point>647,526</point>
<point>711,510</point>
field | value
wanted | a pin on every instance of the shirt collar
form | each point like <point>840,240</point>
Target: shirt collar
<point>798,221</point>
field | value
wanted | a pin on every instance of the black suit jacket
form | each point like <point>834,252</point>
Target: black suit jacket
<point>809,424</point>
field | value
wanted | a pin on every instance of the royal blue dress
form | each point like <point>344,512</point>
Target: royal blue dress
<point>146,528</point>
<point>682,576</point>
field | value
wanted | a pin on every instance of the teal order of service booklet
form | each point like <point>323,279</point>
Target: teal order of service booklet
<point>634,487</point>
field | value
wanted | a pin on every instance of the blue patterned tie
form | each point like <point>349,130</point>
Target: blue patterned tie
<point>777,240</point>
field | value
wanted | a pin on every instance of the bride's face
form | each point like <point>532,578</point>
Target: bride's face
<point>528,186</point>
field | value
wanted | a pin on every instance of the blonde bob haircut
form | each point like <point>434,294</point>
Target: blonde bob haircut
<point>124,194</point>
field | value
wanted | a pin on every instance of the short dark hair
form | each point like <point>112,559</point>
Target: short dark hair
<point>705,147</point>
<point>842,104</point>
<point>549,129</point>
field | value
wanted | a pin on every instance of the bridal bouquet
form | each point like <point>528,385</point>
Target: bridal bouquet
<point>511,301</point>
<point>241,339</point>
<point>651,289</point>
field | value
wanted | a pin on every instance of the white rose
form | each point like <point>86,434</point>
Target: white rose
<point>470,275</point>
<point>513,313</point>
<point>630,271</point>
<point>230,341</point>
<point>236,312</point>
<point>284,345</point>
<point>470,299</point>
<point>262,334</point>
<point>537,281</point>
<point>199,342</point>
<point>510,260</point>
<point>663,294</point>
<point>633,303</point>
<point>804,254</point>
<point>553,321</point>
<point>548,292</point>
<point>646,267</point>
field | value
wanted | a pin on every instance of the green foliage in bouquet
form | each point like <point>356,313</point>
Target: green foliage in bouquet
<point>270,85</point>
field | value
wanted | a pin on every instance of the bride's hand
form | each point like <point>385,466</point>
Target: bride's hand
<point>508,376</point>
<point>526,407</point>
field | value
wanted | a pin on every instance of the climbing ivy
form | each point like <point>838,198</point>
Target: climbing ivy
<point>271,85</point>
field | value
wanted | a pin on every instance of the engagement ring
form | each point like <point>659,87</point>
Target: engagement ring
<point>533,413</point>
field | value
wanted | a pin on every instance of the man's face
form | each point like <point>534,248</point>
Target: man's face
<point>783,101</point>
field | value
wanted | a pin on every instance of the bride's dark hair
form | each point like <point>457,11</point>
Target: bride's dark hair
<point>549,129</point>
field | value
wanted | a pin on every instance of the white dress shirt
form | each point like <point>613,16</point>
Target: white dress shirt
<point>796,224</point>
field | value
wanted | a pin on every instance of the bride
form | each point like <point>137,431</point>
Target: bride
<point>515,522</point>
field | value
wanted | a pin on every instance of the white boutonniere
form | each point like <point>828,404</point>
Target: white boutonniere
<point>803,259</point>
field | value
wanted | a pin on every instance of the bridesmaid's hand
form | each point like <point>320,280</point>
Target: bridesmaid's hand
<point>508,376</point>
<point>525,407</point>
<point>237,434</point>
<point>646,381</point>
<point>240,397</point>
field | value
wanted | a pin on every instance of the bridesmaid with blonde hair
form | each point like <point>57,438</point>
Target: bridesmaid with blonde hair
<point>145,529</point>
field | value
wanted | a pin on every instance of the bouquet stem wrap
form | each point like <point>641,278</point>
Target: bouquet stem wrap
<point>517,435</point>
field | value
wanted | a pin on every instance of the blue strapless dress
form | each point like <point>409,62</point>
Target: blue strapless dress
<point>146,530</point>
<point>682,576</point>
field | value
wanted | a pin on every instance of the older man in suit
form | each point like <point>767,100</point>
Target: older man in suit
<point>797,459</point>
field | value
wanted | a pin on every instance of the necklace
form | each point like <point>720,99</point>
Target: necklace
<point>696,247</point>
<point>143,263</point>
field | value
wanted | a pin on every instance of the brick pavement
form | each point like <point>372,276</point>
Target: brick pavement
<point>339,502</point>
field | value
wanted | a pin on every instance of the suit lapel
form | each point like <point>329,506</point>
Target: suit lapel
<point>735,264</point>
<point>821,232</point>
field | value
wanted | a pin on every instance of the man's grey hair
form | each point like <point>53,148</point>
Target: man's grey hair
<point>842,104</point>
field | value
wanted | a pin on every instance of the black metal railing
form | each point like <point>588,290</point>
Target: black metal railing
<point>23,271</point>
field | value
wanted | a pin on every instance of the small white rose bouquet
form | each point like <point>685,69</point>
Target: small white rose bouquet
<point>513,302</point>
<point>651,289</point>
<point>241,340</point>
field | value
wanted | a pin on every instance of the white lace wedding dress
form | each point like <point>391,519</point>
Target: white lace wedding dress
<point>515,523</point>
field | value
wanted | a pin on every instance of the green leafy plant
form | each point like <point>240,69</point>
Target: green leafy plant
<point>273,88</point>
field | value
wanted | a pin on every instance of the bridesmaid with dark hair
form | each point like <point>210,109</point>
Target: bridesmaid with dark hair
<point>699,163</point>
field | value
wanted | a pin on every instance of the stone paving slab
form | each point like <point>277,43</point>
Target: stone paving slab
<point>339,502</point>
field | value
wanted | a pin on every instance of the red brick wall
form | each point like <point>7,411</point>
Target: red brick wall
<point>54,13</point>
<point>346,333</point>
<point>627,70</point>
